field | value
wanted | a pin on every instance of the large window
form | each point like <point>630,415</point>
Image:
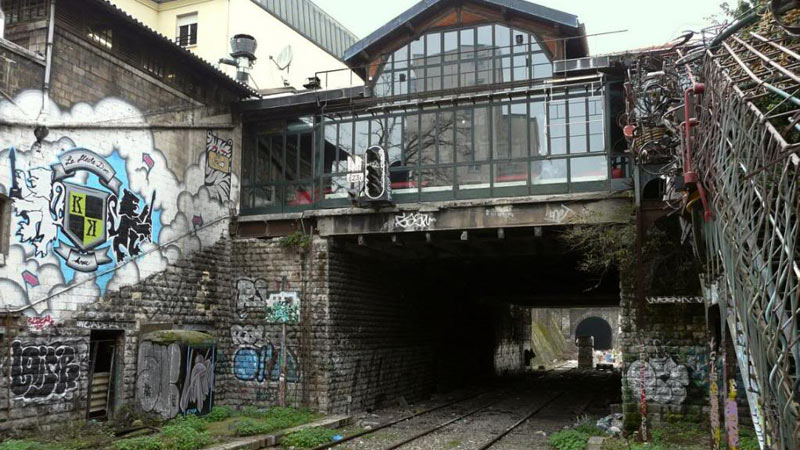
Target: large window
<point>279,169</point>
<point>472,56</point>
<point>547,142</point>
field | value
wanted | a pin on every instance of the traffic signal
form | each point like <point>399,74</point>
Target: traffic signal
<point>376,175</point>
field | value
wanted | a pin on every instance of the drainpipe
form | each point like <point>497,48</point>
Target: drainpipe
<point>49,63</point>
<point>2,23</point>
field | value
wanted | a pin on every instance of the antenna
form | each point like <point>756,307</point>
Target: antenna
<point>284,59</point>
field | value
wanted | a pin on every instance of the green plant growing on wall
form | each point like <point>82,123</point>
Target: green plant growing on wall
<point>297,240</point>
<point>668,264</point>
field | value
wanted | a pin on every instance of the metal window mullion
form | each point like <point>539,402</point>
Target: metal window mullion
<point>419,153</point>
<point>491,147</point>
<point>530,138</point>
<point>586,118</point>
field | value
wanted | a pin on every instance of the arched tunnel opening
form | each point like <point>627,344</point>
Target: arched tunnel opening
<point>598,329</point>
<point>431,313</point>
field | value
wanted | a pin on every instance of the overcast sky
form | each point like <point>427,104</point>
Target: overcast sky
<point>649,22</point>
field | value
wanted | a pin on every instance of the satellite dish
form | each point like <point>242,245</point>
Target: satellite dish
<point>284,59</point>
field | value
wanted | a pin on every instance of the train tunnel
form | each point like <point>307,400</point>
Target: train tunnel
<point>420,313</point>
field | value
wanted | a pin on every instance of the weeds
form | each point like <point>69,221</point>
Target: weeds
<point>308,438</point>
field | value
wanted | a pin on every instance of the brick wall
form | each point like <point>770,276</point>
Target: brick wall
<point>381,335</point>
<point>513,327</point>
<point>84,73</point>
<point>31,396</point>
<point>19,70</point>
<point>671,344</point>
<point>262,269</point>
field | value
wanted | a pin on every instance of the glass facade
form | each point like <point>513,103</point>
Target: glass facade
<point>553,141</point>
<point>458,58</point>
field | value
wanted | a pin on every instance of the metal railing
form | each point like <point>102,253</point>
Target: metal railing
<point>748,157</point>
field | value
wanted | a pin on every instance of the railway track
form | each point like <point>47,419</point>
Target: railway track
<point>498,397</point>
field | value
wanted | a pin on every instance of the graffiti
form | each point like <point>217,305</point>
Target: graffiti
<point>49,204</point>
<point>664,380</point>
<point>30,278</point>
<point>713,398</point>
<point>159,369</point>
<point>33,205</point>
<point>95,325</point>
<point>673,300</point>
<point>503,212</point>
<point>40,373</point>
<point>259,359</point>
<point>198,383</point>
<point>40,323</point>
<point>264,363</point>
<point>219,154</point>
<point>277,307</point>
<point>171,380</point>
<point>732,416</point>
<point>412,221</point>
<point>70,205</point>
<point>558,215</point>
<point>133,227</point>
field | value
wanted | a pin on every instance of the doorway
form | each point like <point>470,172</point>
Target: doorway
<point>105,346</point>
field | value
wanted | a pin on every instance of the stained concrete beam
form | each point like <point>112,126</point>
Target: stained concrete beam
<point>427,218</point>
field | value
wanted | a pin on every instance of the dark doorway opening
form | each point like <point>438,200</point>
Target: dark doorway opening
<point>103,373</point>
<point>597,327</point>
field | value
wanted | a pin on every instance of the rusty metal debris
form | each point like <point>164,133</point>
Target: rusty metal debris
<point>729,151</point>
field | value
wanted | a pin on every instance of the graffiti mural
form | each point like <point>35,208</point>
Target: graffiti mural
<point>254,297</point>
<point>43,372</point>
<point>172,380</point>
<point>260,359</point>
<point>86,210</point>
<point>79,216</point>
<point>413,221</point>
<point>664,382</point>
<point>219,154</point>
<point>40,323</point>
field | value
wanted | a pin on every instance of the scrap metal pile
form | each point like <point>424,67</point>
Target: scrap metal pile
<point>719,119</point>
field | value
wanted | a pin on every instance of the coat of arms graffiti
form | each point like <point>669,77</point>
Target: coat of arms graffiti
<point>56,204</point>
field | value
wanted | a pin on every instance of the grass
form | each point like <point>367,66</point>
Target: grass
<point>182,433</point>
<point>308,438</point>
<point>680,435</point>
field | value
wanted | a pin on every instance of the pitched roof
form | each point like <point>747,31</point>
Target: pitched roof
<point>242,89</point>
<point>426,6</point>
<point>313,23</point>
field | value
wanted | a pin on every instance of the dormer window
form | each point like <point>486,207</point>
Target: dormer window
<point>452,59</point>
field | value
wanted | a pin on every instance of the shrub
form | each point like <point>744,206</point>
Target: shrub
<point>590,429</point>
<point>139,443</point>
<point>271,420</point>
<point>308,438</point>
<point>218,414</point>
<point>569,440</point>
<point>190,421</point>
<point>248,426</point>
<point>186,434</point>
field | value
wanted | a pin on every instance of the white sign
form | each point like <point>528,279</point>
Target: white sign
<point>355,172</point>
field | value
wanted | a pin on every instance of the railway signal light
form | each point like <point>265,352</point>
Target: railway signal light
<point>376,175</point>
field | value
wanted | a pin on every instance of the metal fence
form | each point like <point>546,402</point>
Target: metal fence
<point>747,156</point>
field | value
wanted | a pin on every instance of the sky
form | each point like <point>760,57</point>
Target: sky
<point>648,22</point>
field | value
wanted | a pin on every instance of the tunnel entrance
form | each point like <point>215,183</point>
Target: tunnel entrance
<point>419,313</point>
<point>599,329</point>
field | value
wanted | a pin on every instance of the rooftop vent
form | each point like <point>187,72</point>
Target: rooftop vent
<point>243,52</point>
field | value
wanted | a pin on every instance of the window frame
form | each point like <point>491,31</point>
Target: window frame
<point>185,21</point>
